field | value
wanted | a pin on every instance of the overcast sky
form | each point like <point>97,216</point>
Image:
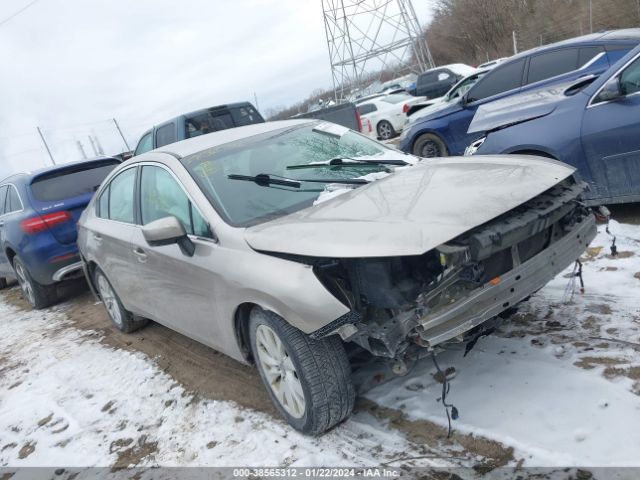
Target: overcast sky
<point>71,65</point>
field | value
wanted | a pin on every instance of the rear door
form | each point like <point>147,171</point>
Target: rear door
<point>61,195</point>
<point>611,139</point>
<point>109,237</point>
<point>178,290</point>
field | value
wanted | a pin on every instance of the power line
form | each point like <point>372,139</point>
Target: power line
<point>10,17</point>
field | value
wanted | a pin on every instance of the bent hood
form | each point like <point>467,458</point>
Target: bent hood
<point>518,108</point>
<point>411,211</point>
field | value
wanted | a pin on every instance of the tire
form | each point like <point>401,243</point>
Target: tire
<point>430,145</point>
<point>3,283</point>
<point>385,130</point>
<point>39,296</point>
<point>321,392</point>
<point>124,320</point>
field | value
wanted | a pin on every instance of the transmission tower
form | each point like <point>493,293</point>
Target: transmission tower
<point>366,37</point>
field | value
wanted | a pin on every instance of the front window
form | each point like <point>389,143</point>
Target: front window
<point>630,78</point>
<point>244,203</point>
<point>145,144</point>
<point>162,196</point>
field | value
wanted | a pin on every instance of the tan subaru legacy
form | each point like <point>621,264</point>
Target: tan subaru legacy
<point>299,245</point>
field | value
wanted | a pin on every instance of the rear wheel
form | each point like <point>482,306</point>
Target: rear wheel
<point>121,318</point>
<point>39,296</point>
<point>430,145</point>
<point>308,380</point>
<point>385,130</point>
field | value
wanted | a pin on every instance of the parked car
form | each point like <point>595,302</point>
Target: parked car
<point>385,115</point>
<point>421,109</point>
<point>198,123</point>
<point>38,215</point>
<point>345,114</point>
<point>288,244</point>
<point>445,132</point>
<point>593,126</point>
<point>435,82</point>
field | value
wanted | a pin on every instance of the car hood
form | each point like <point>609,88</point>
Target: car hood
<point>446,109</point>
<point>410,211</point>
<point>518,108</point>
<point>433,106</point>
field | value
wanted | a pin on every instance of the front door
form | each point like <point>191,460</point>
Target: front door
<point>178,290</point>
<point>611,140</point>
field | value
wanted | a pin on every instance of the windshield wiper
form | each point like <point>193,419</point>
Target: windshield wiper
<point>265,180</point>
<point>350,162</point>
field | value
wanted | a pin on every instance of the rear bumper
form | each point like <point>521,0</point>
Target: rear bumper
<point>70,271</point>
<point>490,300</point>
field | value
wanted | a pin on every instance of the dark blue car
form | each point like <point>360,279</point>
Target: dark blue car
<point>445,132</point>
<point>594,126</point>
<point>38,215</point>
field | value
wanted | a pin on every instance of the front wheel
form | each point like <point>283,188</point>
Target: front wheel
<point>385,130</point>
<point>430,145</point>
<point>308,380</point>
<point>39,296</point>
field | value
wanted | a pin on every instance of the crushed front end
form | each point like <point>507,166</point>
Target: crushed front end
<point>400,305</point>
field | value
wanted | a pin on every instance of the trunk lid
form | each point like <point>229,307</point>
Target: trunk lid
<point>411,211</point>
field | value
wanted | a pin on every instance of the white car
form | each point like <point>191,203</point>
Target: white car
<point>383,116</point>
<point>421,109</point>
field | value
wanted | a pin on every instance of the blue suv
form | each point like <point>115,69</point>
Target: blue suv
<point>38,216</point>
<point>593,126</point>
<point>445,132</point>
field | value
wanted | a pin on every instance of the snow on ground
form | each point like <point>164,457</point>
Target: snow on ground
<point>68,400</point>
<point>547,383</point>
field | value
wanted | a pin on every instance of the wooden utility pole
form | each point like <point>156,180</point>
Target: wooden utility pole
<point>81,148</point>
<point>45,145</point>
<point>122,135</point>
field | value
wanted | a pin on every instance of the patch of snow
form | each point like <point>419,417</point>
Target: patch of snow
<point>532,395</point>
<point>68,400</point>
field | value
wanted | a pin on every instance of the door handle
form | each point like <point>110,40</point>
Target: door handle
<point>97,237</point>
<point>140,253</point>
<point>1,223</point>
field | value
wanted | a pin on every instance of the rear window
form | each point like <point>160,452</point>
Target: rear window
<point>71,182</point>
<point>246,116</point>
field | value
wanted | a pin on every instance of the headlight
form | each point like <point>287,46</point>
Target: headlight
<point>473,148</point>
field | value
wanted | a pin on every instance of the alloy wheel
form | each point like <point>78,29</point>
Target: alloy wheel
<point>280,372</point>
<point>385,131</point>
<point>109,299</point>
<point>25,283</point>
<point>430,149</point>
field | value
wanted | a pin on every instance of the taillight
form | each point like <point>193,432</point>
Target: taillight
<point>359,121</point>
<point>39,224</point>
<point>405,108</point>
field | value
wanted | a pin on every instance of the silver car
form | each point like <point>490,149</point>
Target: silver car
<point>300,245</point>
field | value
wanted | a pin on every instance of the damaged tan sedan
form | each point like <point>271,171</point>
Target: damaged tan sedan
<point>300,246</point>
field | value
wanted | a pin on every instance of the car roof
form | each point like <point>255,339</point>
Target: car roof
<point>197,144</point>
<point>591,38</point>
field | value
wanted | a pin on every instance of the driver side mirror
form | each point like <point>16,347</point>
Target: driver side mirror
<point>611,90</point>
<point>167,231</point>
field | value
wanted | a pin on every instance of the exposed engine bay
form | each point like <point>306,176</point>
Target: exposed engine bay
<point>398,304</point>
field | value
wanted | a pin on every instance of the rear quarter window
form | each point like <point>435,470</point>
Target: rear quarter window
<point>71,182</point>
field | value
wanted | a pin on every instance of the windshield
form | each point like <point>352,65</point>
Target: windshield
<point>247,203</point>
<point>464,86</point>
